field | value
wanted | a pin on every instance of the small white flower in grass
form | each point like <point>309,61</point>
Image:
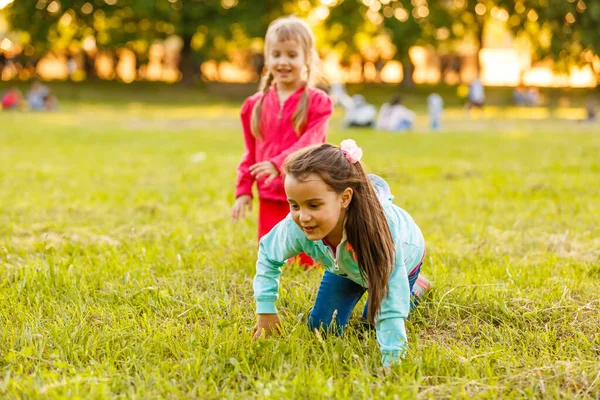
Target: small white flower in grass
<point>198,157</point>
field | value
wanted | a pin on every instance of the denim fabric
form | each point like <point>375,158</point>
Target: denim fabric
<point>337,298</point>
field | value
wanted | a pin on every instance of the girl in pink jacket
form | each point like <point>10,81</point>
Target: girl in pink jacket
<point>286,115</point>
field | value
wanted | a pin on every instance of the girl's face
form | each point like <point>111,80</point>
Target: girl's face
<point>286,61</point>
<point>315,207</point>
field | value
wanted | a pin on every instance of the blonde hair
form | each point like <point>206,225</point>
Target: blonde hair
<point>282,29</point>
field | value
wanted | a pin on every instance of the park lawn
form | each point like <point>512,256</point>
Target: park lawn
<point>122,275</point>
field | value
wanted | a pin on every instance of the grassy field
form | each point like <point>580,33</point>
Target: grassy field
<point>122,276</point>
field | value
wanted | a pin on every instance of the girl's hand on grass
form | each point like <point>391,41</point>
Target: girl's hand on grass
<point>264,169</point>
<point>266,325</point>
<point>239,207</point>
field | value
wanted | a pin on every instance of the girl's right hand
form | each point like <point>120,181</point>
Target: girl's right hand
<point>239,207</point>
<point>267,323</point>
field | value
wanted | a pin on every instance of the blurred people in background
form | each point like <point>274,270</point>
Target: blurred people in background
<point>533,96</point>
<point>12,99</point>
<point>519,95</point>
<point>339,96</point>
<point>435,109</point>
<point>359,113</point>
<point>476,97</point>
<point>36,95</point>
<point>395,117</point>
<point>39,98</point>
<point>591,108</point>
<point>523,96</point>
<point>50,102</point>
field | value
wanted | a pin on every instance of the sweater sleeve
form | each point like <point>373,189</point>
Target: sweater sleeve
<point>245,179</point>
<point>280,244</point>
<point>320,109</point>
<point>391,333</point>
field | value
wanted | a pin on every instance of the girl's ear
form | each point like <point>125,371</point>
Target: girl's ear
<point>346,197</point>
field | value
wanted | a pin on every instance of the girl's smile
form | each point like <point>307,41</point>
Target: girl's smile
<point>286,61</point>
<point>316,208</point>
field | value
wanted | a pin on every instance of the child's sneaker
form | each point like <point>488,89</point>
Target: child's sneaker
<point>421,287</point>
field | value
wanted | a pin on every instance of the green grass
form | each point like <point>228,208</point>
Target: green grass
<point>122,276</point>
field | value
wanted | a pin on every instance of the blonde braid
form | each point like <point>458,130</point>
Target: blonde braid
<point>301,113</point>
<point>265,84</point>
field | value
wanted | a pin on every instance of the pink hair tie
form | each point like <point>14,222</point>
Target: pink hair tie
<point>352,152</point>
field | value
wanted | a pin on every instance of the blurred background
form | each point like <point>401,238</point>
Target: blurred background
<point>547,44</point>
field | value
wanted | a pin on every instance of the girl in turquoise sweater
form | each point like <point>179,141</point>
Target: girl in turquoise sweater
<point>345,220</point>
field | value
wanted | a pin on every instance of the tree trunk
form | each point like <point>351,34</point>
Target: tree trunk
<point>480,40</point>
<point>187,66</point>
<point>408,68</point>
<point>89,66</point>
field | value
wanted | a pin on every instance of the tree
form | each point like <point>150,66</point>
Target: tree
<point>411,25</point>
<point>204,26</point>
<point>404,22</point>
<point>468,19</point>
<point>61,25</point>
<point>566,31</point>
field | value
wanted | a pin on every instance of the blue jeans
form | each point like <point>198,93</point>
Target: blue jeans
<point>337,298</point>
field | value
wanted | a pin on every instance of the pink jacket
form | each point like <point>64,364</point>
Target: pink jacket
<point>278,137</point>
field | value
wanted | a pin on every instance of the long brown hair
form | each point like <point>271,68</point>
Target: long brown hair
<point>282,29</point>
<point>367,228</point>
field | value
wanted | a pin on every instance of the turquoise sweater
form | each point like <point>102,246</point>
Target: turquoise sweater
<point>287,240</point>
